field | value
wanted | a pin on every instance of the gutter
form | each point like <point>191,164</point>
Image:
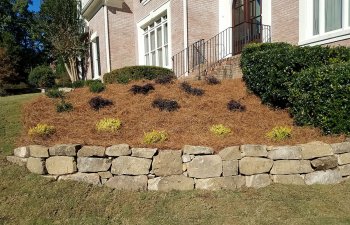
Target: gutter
<point>185,10</point>
<point>105,9</point>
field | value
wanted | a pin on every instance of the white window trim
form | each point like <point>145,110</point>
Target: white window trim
<point>306,36</point>
<point>165,8</point>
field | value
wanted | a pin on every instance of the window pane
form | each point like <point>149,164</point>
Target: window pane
<point>153,41</point>
<point>257,7</point>
<point>147,59</point>
<point>316,18</point>
<point>166,59</point>
<point>154,63</point>
<point>166,33</point>
<point>146,44</point>
<point>159,37</point>
<point>333,10</point>
<point>160,57</point>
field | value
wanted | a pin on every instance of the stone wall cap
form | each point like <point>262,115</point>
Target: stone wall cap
<point>197,150</point>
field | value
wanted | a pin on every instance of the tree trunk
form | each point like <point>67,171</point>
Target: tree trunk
<point>71,68</point>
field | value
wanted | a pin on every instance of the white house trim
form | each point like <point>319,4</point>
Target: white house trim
<point>185,10</point>
<point>108,58</point>
<point>165,8</point>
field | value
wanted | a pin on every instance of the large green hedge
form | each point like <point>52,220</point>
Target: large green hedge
<point>269,69</point>
<point>127,74</point>
<point>42,76</point>
<point>320,96</point>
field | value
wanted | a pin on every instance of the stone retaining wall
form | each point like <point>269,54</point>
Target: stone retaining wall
<point>193,167</point>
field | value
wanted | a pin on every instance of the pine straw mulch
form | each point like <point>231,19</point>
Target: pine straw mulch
<point>189,125</point>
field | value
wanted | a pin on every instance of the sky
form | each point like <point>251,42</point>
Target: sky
<point>36,6</point>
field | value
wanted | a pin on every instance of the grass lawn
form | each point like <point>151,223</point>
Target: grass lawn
<point>29,199</point>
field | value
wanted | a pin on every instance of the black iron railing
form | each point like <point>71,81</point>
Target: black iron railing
<point>203,54</point>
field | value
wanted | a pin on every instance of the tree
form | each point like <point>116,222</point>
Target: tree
<point>62,27</point>
<point>7,71</point>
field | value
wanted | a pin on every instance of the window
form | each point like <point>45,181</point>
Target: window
<point>156,42</point>
<point>316,18</point>
<point>333,12</point>
<point>95,58</point>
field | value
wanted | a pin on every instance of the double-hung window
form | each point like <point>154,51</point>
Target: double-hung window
<point>156,47</point>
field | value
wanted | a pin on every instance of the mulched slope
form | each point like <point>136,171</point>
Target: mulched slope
<point>189,125</point>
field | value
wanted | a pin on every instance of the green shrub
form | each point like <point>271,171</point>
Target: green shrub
<point>96,87</point>
<point>127,74</point>
<point>155,137</point>
<point>279,133</point>
<point>108,125</point>
<point>78,84</point>
<point>55,93</point>
<point>220,130</point>
<point>42,76</point>
<point>320,96</point>
<point>270,69</point>
<point>64,107</point>
<point>41,130</point>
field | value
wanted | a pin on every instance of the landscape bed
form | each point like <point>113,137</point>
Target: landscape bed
<point>190,124</point>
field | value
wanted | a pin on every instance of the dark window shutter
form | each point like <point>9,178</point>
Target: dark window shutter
<point>92,61</point>
<point>98,55</point>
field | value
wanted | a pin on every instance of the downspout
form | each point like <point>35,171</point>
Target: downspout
<point>185,10</point>
<point>107,39</point>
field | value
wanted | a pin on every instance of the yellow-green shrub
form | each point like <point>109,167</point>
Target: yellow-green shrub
<point>280,133</point>
<point>155,137</point>
<point>108,125</point>
<point>220,130</point>
<point>41,130</point>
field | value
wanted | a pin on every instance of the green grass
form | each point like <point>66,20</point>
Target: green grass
<point>30,199</point>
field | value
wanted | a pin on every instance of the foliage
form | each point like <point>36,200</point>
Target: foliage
<point>235,106</point>
<point>165,105</point>
<point>108,125</point>
<point>145,89</point>
<point>41,130</point>
<point>320,97</point>
<point>155,137</point>
<point>165,79</point>
<point>98,103</point>
<point>63,29</point>
<point>127,74</point>
<point>211,80</point>
<point>7,70</point>
<point>78,84</point>
<point>42,76</point>
<point>279,133</point>
<point>220,130</point>
<point>96,87</point>
<point>270,69</point>
<point>64,106</point>
<point>55,93</point>
<point>186,87</point>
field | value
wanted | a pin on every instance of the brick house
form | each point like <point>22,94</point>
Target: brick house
<point>184,34</point>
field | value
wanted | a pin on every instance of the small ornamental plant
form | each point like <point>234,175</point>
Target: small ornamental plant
<point>155,137</point>
<point>55,93</point>
<point>235,106</point>
<point>220,130</point>
<point>96,86</point>
<point>97,103</point>
<point>280,133</point>
<point>41,130</point>
<point>145,89</point>
<point>109,125</point>
<point>64,106</point>
<point>211,80</point>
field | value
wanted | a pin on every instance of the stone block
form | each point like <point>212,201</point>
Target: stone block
<point>147,153</point>
<point>295,179</point>
<point>230,168</point>
<point>197,150</point>
<point>105,175</point>
<point>344,159</point>
<point>230,153</point>
<point>254,165</point>
<point>61,165</point>
<point>64,150</point>
<point>93,165</point>
<point>118,150</point>
<point>167,163</point>
<point>285,153</point>
<point>128,183</point>
<point>205,167</point>
<point>17,160</point>
<point>323,177</point>
<point>254,150</point>
<point>90,178</point>
<point>39,151</point>
<point>315,149</point>
<point>89,151</point>
<point>22,152</point>
<point>325,163</point>
<point>340,148</point>
<point>127,165</point>
<point>286,167</point>
<point>186,158</point>
<point>36,165</point>
<point>344,170</point>
<point>175,182</point>
<point>221,183</point>
<point>258,181</point>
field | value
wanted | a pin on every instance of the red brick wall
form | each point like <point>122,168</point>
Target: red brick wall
<point>285,21</point>
<point>342,43</point>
